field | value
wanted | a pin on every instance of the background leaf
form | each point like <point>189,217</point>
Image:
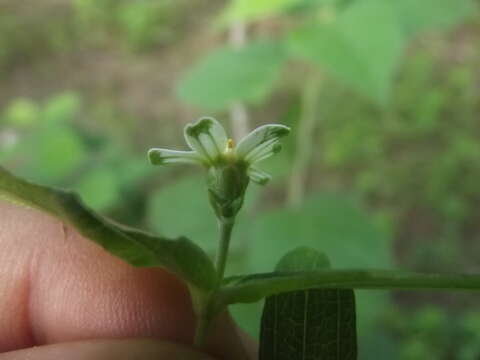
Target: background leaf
<point>309,324</point>
<point>248,10</point>
<point>99,188</point>
<point>424,15</point>
<point>54,154</point>
<point>329,222</point>
<point>334,224</point>
<point>190,217</point>
<point>228,75</point>
<point>361,47</point>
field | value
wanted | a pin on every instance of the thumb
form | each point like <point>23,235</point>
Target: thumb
<point>126,349</point>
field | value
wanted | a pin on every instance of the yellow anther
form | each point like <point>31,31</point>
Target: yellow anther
<point>230,144</point>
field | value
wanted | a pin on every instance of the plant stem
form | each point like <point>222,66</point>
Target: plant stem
<point>226,228</point>
<point>201,329</point>
<point>206,309</point>
<point>304,141</point>
<point>262,285</point>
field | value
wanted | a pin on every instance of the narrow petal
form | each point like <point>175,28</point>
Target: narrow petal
<point>263,151</point>
<point>165,156</point>
<point>207,137</point>
<point>258,176</point>
<point>263,140</point>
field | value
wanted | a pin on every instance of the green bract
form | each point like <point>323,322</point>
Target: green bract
<point>229,167</point>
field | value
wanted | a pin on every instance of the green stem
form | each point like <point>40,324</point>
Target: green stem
<point>226,227</point>
<point>252,289</point>
<point>207,309</point>
<point>201,329</point>
<point>304,141</point>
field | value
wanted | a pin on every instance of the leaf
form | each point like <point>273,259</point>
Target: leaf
<point>248,10</point>
<point>416,16</point>
<point>334,224</point>
<point>61,108</point>
<point>138,248</point>
<point>228,75</point>
<point>308,324</point>
<point>58,149</point>
<point>99,188</point>
<point>188,212</point>
<point>21,113</point>
<point>361,47</point>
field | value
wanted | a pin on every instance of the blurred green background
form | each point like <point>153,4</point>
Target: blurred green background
<point>381,171</point>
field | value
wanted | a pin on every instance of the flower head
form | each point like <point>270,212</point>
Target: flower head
<point>230,166</point>
<point>210,146</point>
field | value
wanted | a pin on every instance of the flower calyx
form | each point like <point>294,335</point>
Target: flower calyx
<point>230,167</point>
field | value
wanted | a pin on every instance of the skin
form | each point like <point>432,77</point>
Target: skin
<point>64,297</point>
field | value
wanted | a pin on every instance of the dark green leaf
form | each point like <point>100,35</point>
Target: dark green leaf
<point>180,256</point>
<point>228,75</point>
<point>315,324</point>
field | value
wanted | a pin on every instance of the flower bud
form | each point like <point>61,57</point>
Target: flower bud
<point>227,184</point>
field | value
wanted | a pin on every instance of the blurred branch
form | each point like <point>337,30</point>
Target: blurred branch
<point>238,111</point>
<point>304,141</point>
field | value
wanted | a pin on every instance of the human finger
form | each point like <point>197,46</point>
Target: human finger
<point>58,287</point>
<point>125,349</point>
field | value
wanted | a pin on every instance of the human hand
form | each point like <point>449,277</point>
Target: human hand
<point>64,297</point>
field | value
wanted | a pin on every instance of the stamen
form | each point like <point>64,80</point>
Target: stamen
<point>230,144</point>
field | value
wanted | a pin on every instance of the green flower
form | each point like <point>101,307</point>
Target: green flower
<point>229,166</point>
<point>211,147</point>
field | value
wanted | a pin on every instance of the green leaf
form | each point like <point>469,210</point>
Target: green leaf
<point>61,108</point>
<point>99,188</point>
<point>228,75</point>
<point>187,197</point>
<point>303,259</point>
<point>333,223</point>
<point>361,47</point>
<point>248,10</point>
<point>308,324</point>
<point>138,248</point>
<point>21,112</point>
<point>416,16</point>
<point>51,154</point>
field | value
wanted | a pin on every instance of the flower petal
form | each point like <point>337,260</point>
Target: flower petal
<point>261,141</point>
<point>263,151</point>
<point>207,137</point>
<point>166,156</point>
<point>258,176</point>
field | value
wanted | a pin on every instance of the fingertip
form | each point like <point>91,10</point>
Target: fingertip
<point>120,349</point>
<point>228,341</point>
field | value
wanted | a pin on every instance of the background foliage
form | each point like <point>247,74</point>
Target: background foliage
<point>392,181</point>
